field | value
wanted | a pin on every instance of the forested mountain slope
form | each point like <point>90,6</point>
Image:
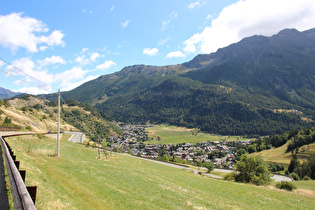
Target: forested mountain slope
<point>233,91</point>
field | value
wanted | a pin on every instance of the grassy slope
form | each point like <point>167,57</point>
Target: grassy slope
<point>280,155</point>
<point>38,120</point>
<point>175,135</point>
<point>78,180</point>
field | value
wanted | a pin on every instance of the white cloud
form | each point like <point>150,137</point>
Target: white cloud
<point>173,15</point>
<point>125,24</point>
<point>176,54</point>
<point>112,8</point>
<point>150,51</point>
<point>164,41</point>
<point>249,17</point>
<point>33,90</point>
<point>73,74</point>
<point>17,32</point>
<point>82,60</point>
<point>66,85</point>
<point>84,49</point>
<point>166,23</point>
<point>106,65</point>
<point>41,80</point>
<point>209,17</point>
<point>194,4</point>
<point>94,56</point>
<point>52,60</point>
<point>190,49</point>
<point>24,69</point>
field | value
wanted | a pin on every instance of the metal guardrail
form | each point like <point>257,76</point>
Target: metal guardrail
<point>20,194</point>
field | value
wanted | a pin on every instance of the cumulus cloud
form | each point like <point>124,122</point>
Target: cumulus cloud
<point>176,54</point>
<point>36,80</point>
<point>24,68</point>
<point>87,59</point>
<point>94,55</point>
<point>52,60</point>
<point>150,51</point>
<point>249,17</point>
<point>106,65</point>
<point>18,31</point>
<point>66,85</point>
<point>125,24</point>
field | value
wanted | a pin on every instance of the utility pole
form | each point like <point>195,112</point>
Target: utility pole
<point>58,131</point>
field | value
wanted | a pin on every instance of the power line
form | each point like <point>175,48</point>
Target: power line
<point>45,85</point>
<point>25,74</point>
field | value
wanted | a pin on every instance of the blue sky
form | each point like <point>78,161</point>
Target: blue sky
<point>63,43</point>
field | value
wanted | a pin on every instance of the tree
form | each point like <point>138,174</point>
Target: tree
<point>7,121</point>
<point>252,169</point>
<point>209,166</point>
<point>294,163</point>
<point>165,158</point>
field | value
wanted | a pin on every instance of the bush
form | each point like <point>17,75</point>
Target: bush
<point>229,177</point>
<point>306,178</point>
<point>285,186</point>
<point>24,108</point>
<point>295,176</point>
<point>28,127</point>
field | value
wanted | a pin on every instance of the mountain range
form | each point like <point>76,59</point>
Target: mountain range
<point>5,93</point>
<point>260,85</point>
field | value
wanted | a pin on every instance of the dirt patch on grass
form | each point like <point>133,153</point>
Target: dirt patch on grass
<point>305,192</point>
<point>177,129</point>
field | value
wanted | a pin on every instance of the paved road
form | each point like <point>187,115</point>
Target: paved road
<point>76,137</point>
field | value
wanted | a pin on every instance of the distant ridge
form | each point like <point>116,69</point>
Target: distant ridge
<point>5,93</point>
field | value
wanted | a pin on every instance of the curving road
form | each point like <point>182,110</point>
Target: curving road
<point>77,137</point>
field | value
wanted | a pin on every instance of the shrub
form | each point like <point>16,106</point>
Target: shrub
<point>229,177</point>
<point>24,108</point>
<point>295,176</point>
<point>285,186</point>
<point>307,178</point>
<point>28,127</point>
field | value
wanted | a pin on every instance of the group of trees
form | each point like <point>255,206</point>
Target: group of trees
<point>305,170</point>
<point>295,137</point>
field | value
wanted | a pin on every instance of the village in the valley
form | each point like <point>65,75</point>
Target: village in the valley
<point>135,140</point>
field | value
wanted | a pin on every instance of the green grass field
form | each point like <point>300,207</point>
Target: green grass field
<point>280,155</point>
<point>78,180</point>
<point>175,135</point>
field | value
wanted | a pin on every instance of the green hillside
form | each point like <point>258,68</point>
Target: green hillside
<point>78,180</point>
<point>234,91</point>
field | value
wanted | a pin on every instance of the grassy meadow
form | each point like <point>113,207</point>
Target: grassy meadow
<point>175,135</point>
<point>279,155</point>
<point>79,180</point>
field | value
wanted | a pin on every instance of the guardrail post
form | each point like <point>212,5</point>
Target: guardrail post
<point>32,190</point>
<point>17,164</point>
<point>23,174</point>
